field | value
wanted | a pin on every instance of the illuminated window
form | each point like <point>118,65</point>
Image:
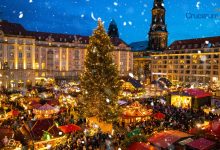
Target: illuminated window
<point>36,65</point>
<point>43,74</point>
<point>43,65</point>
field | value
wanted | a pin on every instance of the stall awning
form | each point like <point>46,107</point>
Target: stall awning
<point>166,138</point>
<point>69,128</point>
<point>141,146</point>
<point>201,144</point>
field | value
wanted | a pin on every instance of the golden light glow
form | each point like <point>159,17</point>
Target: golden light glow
<point>43,66</point>
<point>36,66</point>
<point>60,58</point>
<point>67,59</point>
<point>16,58</point>
<point>181,101</point>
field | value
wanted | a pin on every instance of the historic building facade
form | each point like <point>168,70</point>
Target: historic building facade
<point>26,57</point>
<point>157,42</point>
<point>192,61</point>
<point>141,60</point>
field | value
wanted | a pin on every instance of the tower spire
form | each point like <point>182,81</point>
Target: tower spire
<point>158,31</point>
<point>158,3</point>
<point>113,29</point>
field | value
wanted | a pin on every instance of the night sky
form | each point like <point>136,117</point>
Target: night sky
<point>133,17</point>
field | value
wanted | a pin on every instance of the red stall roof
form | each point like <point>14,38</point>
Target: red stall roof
<point>166,138</point>
<point>214,128</point>
<point>198,93</point>
<point>141,146</point>
<point>201,144</point>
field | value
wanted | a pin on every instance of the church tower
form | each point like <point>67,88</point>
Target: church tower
<point>158,31</point>
<point>113,29</point>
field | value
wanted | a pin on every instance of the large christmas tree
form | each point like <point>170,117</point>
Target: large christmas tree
<point>100,83</point>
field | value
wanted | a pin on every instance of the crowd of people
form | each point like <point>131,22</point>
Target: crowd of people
<point>175,118</point>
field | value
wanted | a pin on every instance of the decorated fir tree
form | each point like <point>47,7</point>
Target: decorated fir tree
<point>99,82</point>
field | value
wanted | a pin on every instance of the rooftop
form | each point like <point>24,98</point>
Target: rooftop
<point>139,46</point>
<point>196,43</point>
<point>15,29</point>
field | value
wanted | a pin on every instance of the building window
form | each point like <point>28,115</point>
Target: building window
<point>194,67</point>
<point>28,42</point>
<point>200,67</point>
<point>20,55</point>
<point>165,57</point>
<point>215,72</point>
<point>20,66</point>
<point>183,46</point>
<point>29,66</point>
<point>37,65</point>
<point>76,54</point>
<point>208,67</point>
<point>43,65</point>
<point>20,41</point>
<point>28,55</point>
<point>12,55</point>
<point>11,41</point>
<point>215,67</point>
<point>209,56</point>
<point>76,64</point>
<point>216,56</point>
<point>10,47</point>
<point>216,50</point>
<point>187,71</point>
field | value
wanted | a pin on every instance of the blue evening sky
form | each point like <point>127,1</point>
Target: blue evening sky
<point>133,17</point>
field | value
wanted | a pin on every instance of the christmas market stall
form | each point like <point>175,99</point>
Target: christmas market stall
<point>69,128</point>
<point>45,111</point>
<point>201,144</point>
<point>43,133</point>
<point>167,139</point>
<point>213,130</point>
<point>130,87</point>
<point>13,113</point>
<point>159,116</point>
<point>153,90</point>
<point>7,140</point>
<point>135,113</point>
<point>190,98</point>
<point>141,146</point>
